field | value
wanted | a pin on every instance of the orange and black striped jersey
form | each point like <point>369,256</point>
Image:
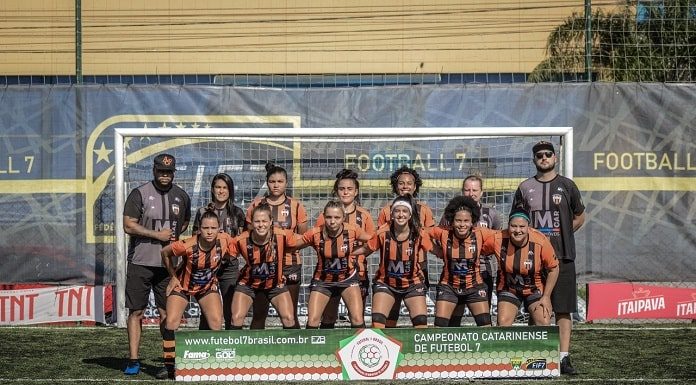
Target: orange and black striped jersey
<point>520,269</point>
<point>400,261</point>
<point>286,215</point>
<point>361,218</point>
<point>461,257</point>
<point>425,214</point>
<point>334,262</point>
<point>264,263</point>
<point>197,270</point>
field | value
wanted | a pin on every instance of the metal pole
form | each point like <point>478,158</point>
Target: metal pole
<point>121,316</point>
<point>588,40</point>
<point>78,41</point>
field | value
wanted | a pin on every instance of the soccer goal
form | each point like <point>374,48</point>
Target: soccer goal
<point>443,156</point>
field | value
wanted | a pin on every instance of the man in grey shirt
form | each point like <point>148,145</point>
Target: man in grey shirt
<point>155,214</point>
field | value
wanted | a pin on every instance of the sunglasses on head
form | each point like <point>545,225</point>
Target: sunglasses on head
<point>542,154</point>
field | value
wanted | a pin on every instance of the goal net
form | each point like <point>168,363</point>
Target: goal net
<point>443,157</point>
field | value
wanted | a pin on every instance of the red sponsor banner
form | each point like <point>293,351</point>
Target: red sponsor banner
<point>52,304</point>
<point>626,300</point>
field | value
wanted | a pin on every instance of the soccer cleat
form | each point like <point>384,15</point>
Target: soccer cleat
<point>567,367</point>
<point>166,373</point>
<point>132,368</point>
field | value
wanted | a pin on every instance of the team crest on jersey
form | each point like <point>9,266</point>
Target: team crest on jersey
<point>409,251</point>
<point>527,264</point>
<point>344,248</point>
<point>556,198</point>
<point>472,249</point>
<point>175,209</point>
<point>285,212</point>
<point>482,293</point>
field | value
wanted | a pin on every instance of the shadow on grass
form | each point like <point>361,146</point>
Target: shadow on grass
<point>119,363</point>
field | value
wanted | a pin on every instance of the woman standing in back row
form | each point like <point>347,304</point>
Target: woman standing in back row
<point>231,222</point>
<point>347,189</point>
<point>287,213</point>
<point>406,181</point>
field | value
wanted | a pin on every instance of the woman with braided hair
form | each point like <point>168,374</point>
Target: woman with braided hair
<point>347,190</point>
<point>287,213</point>
<point>263,248</point>
<point>196,275</point>
<point>336,274</point>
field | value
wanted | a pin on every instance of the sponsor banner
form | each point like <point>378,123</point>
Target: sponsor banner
<point>52,304</point>
<point>367,354</point>
<point>629,300</point>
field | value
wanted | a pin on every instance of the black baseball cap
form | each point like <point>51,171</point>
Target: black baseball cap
<point>165,162</point>
<point>543,145</point>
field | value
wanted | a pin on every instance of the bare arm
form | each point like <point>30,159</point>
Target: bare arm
<point>361,250</point>
<point>132,227</point>
<point>167,255</point>
<point>578,221</point>
<point>167,262</point>
<point>551,280</point>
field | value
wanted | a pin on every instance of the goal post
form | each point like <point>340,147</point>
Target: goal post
<point>312,156</point>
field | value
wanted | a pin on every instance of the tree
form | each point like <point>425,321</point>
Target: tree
<point>643,41</point>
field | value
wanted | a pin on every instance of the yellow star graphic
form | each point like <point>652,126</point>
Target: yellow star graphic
<point>195,125</point>
<point>103,153</point>
<point>126,142</point>
<point>181,125</point>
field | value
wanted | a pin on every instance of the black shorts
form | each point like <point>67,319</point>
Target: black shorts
<point>228,275</point>
<point>139,280</point>
<point>197,296</point>
<point>479,293</point>
<point>292,274</point>
<point>364,289</point>
<point>518,299</point>
<point>565,294</point>
<point>270,293</point>
<point>333,289</point>
<point>413,291</point>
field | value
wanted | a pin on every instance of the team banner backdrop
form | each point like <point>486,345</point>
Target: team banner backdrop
<point>634,161</point>
<point>367,354</point>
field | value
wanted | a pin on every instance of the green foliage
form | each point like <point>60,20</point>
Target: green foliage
<point>658,45</point>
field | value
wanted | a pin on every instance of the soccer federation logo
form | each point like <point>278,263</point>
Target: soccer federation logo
<point>369,355</point>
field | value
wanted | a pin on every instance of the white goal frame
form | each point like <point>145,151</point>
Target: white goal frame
<point>304,134</point>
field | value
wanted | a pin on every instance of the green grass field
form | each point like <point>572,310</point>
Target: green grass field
<point>665,354</point>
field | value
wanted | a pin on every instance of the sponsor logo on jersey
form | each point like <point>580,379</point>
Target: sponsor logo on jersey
<point>175,209</point>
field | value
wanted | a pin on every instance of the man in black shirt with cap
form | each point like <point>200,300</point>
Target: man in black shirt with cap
<point>556,209</point>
